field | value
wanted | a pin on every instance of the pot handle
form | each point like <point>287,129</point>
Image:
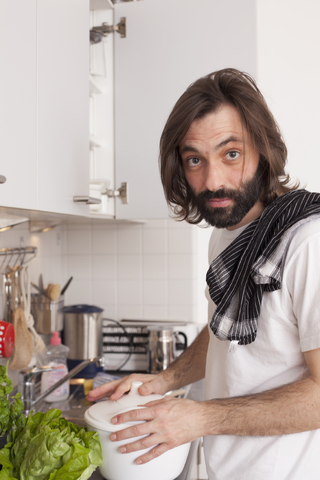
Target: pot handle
<point>185,345</point>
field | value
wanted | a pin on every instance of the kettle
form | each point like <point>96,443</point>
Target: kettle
<point>161,348</point>
<point>83,335</point>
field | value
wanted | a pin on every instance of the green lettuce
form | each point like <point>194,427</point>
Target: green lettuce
<point>11,410</point>
<point>49,447</point>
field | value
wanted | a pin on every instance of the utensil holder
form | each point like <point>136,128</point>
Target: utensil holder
<point>47,314</point>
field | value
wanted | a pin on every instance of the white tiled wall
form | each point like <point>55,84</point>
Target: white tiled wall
<point>154,270</point>
<point>50,258</point>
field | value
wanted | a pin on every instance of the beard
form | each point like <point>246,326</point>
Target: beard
<point>243,200</point>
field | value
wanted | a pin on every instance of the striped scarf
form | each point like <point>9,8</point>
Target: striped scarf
<point>253,264</point>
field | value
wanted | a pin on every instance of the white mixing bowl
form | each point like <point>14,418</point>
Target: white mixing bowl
<point>121,466</point>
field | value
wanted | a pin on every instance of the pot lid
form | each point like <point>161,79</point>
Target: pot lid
<point>99,415</point>
<point>82,309</point>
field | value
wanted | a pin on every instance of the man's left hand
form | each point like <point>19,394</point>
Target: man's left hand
<point>167,423</point>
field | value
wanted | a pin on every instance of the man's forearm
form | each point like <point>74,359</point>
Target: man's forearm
<point>170,422</point>
<point>190,366</point>
<point>289,409</point>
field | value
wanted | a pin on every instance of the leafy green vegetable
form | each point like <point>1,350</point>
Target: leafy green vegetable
<point>49,447</point>
<point>11,416</point>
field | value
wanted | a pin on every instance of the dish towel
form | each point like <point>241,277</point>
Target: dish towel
<point>253,263</point>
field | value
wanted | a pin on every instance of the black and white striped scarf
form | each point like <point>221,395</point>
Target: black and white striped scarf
<point>253,264</point>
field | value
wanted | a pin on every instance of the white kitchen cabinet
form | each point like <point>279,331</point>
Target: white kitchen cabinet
<point>63,105</point>
<point>18,115</point>
<point>169,44</point>
<point>44,104</point>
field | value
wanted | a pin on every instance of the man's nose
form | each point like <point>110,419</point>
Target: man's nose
<point>215,178</point>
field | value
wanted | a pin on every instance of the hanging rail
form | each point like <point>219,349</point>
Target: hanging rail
<point>16,256</point>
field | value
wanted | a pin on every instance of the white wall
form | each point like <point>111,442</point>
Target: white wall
<point>154,270</point>
<point>145,271</point>
<point>289,76</point>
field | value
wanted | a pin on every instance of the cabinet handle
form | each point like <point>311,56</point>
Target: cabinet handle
<point>3,179</point>
<point>87,200</point>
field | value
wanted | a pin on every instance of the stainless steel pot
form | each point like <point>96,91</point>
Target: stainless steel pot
<point>161,348</point>
<point>83,331</point>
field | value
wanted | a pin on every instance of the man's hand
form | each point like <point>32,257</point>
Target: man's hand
<point>114,390</point>
<point>168,423</point>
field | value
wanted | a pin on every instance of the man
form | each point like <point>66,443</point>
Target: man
<point>222,161</point>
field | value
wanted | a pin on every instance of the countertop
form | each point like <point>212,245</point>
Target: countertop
<point>96,475</point>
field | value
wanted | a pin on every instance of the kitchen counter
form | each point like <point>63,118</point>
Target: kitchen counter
<point>96,475</point>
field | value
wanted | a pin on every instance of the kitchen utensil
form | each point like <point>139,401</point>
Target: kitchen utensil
<point>83,331</point>
<point>6,339</point>
<point>22,353</point>
<point>14,261</point>
<point>53,291</point>
<point>47,314</point>
<point>37,288</point>
<point>83,335</point>
<point>64,289</point>
<point>25,284</point>
<point>117,466</point>
<point>13,298</point>
<point>41,284</point>
<point>161,348</point>
<point>7,284</point>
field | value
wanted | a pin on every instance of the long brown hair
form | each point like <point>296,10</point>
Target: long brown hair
<point>206,95</point>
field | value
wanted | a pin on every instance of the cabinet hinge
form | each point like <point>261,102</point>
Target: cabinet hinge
<point>96,33</point>
<point>122,193</point>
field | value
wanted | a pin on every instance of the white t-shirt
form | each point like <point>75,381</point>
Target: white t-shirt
<point>289,324</point>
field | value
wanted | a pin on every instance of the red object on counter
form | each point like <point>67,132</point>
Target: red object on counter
<point>6,339</point>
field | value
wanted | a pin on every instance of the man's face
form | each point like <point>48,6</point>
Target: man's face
<point>222,168</point>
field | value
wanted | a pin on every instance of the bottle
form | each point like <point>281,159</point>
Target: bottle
<point>55,356</point>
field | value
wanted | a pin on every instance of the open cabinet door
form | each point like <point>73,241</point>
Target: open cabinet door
<point>169,44</point>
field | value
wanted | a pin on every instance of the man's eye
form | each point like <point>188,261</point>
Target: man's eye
<point>232,155</point>
<point>193,161</point>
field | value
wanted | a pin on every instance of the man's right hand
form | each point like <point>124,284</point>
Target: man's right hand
<point>114,390</point>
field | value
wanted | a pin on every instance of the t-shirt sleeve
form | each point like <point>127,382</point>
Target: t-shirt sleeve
<point>303,282</point>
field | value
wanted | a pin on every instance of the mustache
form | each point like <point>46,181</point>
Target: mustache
<point>221,193</point>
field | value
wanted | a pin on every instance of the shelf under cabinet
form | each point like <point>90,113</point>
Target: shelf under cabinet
<point>101,5</point>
